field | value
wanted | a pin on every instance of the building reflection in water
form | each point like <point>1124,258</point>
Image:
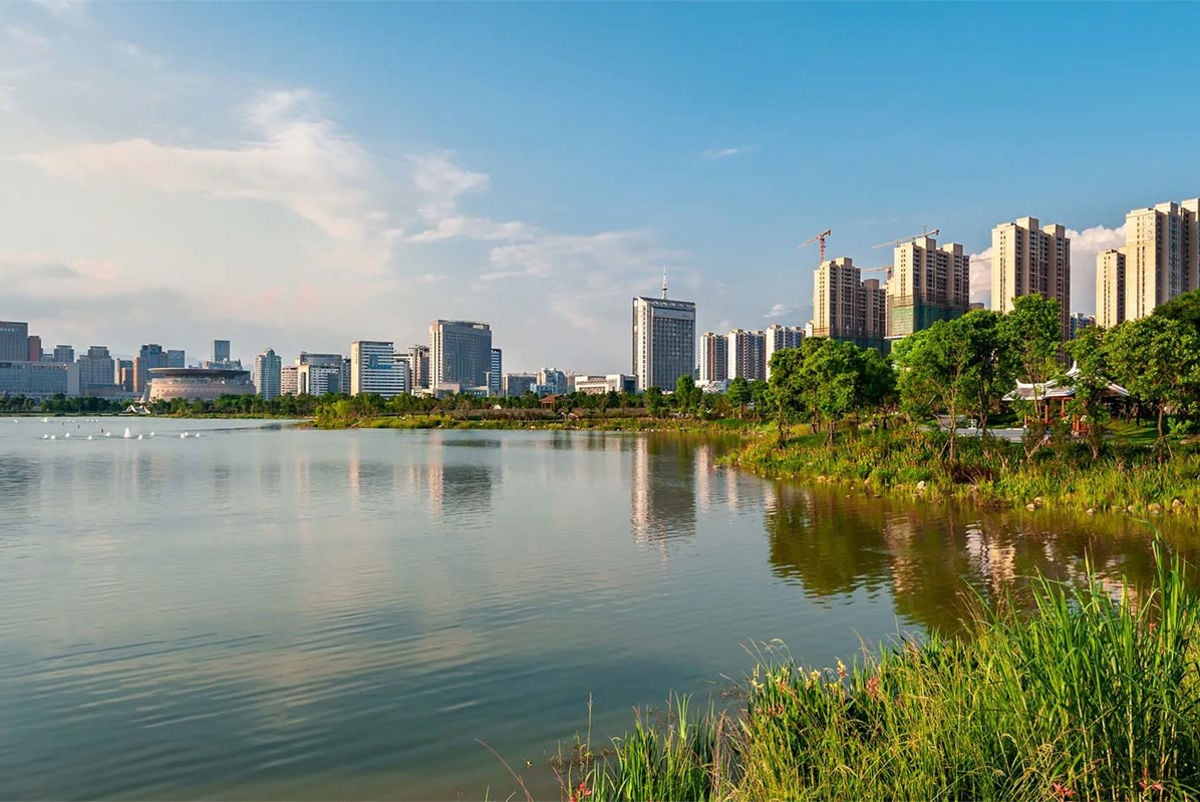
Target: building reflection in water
<point>934,561</point>
<point>662,489</point>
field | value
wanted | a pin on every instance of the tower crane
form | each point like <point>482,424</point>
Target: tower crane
<point>881,268</point>
<point>818,238</point>
<point>895,242</point>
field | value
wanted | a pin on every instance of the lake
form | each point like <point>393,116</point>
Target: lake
<point>275,613</point>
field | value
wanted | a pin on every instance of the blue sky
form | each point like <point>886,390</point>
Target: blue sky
<point>300,175</point>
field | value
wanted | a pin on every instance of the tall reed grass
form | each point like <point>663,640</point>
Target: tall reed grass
<point>991,471</point>
<point>1090,694</point>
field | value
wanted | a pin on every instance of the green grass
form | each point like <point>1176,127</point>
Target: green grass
<point>1085,696</point>
<point>992,472</point>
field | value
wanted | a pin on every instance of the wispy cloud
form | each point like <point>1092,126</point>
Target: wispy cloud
<point>725,153</point>
<point>779,310</point>
<point>296,157</point>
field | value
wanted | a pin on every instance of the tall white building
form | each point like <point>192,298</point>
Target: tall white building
<point>747,355</point>
<point>373,369</point>
<point>714,357</point>
<point>1028,259</point>
<point>838,300</point>
<point>1110,288</point>
<point>1161,257</point>
<point>495,380</point>
<point>268,371</point>
<point>664,340</point>
<point>289,383</point>
<point>779,337</point>
<point>460,354</point>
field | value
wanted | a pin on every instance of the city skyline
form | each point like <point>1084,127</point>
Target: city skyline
<point>143,179</point>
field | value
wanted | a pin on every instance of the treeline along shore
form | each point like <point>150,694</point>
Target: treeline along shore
<point>981,408</point>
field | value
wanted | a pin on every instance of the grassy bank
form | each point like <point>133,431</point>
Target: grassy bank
<point>1126,477</point>
<point>1086,696</point>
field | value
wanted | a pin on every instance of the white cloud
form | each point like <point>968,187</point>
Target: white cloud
<point>981,277</point>
<point>779,310</point>
<point>725,153</point>
<point>296,158</point>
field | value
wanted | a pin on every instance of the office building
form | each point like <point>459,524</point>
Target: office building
<point>124,377</point>
<point>14,341</point>
<point>1079,322</point>
<point>36,380</point>
<point>221,351</point>
<point>551,382</point>
<point>64,354</point>
<point>176,358</point>
<point>517,384</point>
<point>344,383</point>
<point>373,369</point>
<point>714,357</point>
<point>927,283</point>
<point>747,354</point>
<point>289,380</point>
<point>96,371</point>
<point>35,347</point>
<point>418,360</point>
<point>149,357</point>
<point>318,374</point>
<point>460,355</point>
<point>495,373</point>
<point>779,337</point>
<point>1161,259</point>
<point>664,340</point>
<point>1110,288</point>
<point>268,370</point>
<point>1028,259</point>
<point>611,383</point>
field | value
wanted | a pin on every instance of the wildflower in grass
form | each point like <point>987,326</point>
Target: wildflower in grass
<point>841,670</point>
<point>1061,791</point>
<point>1146,785</point>
<point>580,793</point>
<point>873,688</point>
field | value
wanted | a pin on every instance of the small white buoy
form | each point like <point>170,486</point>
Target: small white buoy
<point>139,437</point>
<point>45,437</point>
<point>68,434</point>
<point>197,434</point>
<point>128,434</point>
<point>108,434</point>
<point>183,436</point>
<point>151,434</point>
<point>45,420</point>
<point>53,437</point>
<point>89,437</point>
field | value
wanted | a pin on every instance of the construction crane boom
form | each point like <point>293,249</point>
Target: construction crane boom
<point>818,238</point>
<point>895,242</point>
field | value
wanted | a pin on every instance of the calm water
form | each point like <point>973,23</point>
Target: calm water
<point>265,612</point>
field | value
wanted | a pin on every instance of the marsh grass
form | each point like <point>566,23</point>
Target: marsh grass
<point>1089,694</point>
<point>991,472</point>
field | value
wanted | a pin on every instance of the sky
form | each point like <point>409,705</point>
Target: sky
<point>300,175</point>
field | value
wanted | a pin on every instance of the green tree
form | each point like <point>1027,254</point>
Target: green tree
<point>1158,359</point>
<point>1090,382</point>
<point>786,388</point>
<point>738,394</point>
<point>654,401</point>
<point>1032,335</point>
